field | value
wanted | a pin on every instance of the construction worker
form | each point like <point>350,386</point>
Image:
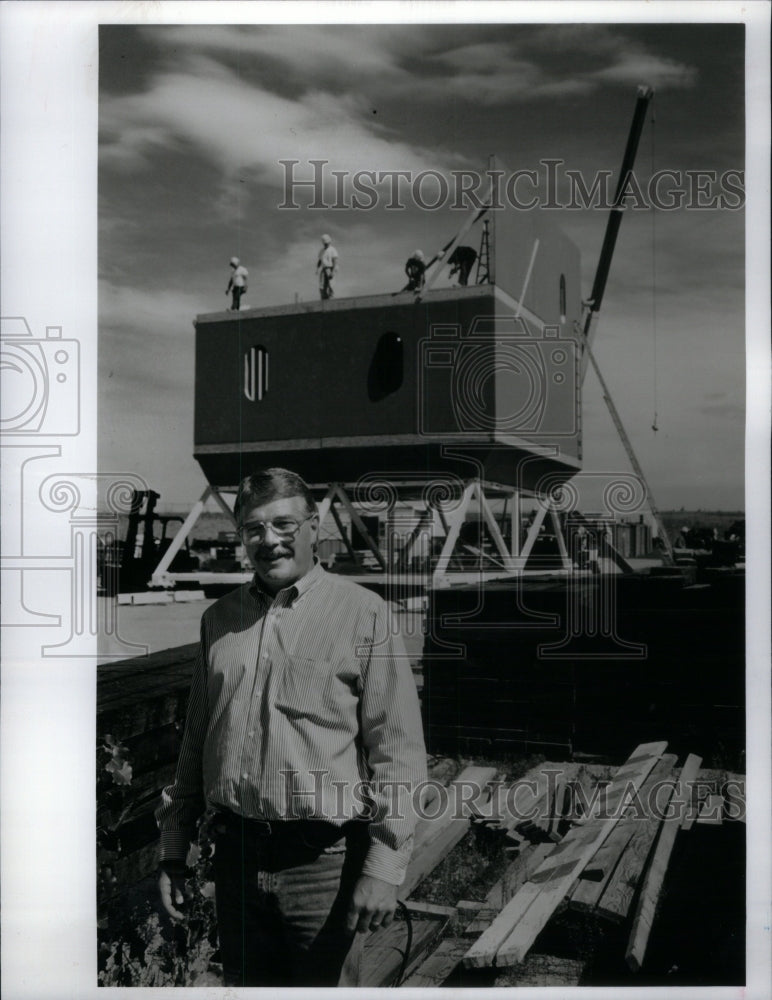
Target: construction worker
<point>461,262</point>
<point>326,265</point>
<point>237,284</point>
<point>303,734</point>
<point>415,269</point>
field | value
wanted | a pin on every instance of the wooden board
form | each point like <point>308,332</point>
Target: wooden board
<point>620,888</point>
<point>435,969</point>
<point>384,950</point>
<point>597,874</point>
<point>712,810</point>
<point>547,970</point>
<point>508,939</point>
<point>517,872</point>
<point>655,874</point>
<point>437,837</point>
<point>151,662</point>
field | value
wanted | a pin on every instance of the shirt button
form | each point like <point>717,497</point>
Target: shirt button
<point>245,777</point>
<point>251,732</point>
<point>259,692</point>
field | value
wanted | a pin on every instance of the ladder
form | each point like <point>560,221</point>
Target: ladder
<point>483,273</point>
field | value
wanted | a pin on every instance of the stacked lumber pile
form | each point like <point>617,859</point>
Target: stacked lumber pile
<point>582,840</point>
<point>393,953</point>
<point>140,709</point>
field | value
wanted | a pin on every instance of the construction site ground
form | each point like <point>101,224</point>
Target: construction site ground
<point>699,935</point>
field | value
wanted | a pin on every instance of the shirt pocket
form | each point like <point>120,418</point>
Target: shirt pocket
<point>315,689</point>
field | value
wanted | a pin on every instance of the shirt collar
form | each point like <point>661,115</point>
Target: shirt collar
<point>292,593</point>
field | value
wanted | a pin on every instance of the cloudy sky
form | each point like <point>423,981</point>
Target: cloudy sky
<point>193,122</point>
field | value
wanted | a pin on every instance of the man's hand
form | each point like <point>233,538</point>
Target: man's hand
<point>171,885</point>
<point>372,904</point>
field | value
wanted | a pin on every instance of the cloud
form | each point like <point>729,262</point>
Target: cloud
<point>526,69</point>
<point>328,57</point>
<point>146,337</point>
<point>244,129</point>
<point>424,63</point>
<point>647,68</point>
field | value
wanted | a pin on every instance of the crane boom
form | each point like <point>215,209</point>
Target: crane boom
<point>645,95</point>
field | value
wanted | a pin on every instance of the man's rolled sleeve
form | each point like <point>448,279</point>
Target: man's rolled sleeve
<point>392,736</point>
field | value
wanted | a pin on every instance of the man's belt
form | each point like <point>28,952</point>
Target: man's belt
<point>319,832</point>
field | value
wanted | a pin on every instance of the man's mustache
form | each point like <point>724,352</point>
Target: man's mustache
<point>273,553</point>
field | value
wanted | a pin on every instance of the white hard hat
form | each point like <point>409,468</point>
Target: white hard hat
<point>419,254</point>
<point>326,238</point>
<point>235,261</point>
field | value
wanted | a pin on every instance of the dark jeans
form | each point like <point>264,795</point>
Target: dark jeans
<point>282,899</point>
<point>236,293</point>
<point>325,283</point>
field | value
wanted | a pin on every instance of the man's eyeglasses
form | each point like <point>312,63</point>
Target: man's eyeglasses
<point>282,527</point>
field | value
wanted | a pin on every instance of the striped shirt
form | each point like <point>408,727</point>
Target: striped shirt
<point>302,706</point>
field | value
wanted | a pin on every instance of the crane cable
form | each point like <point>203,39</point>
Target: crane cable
<point>653,210</point>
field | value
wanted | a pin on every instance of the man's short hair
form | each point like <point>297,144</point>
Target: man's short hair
<point>267,485</point>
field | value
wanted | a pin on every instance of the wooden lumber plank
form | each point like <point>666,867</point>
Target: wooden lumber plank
<point>510,803</point>
<point>619,890</point>
<point>466,907</point>
<point>587,892</point>
<point>548,970</point>
<point>517,872</point>
<point>600,867</point>
<point>384,950</point>
<point>430,909</point>
<point>597,874</point>
<point>580,791</point>
<point>513,932</point>
<point>136,719</point>
<point>712,810</point>
<point>436,968</point>
<point>557,810</point>
<point>482,920</point>
<point>460,798</point>
<point>152,661</point>
<point>655,873</point>
<point>141,689</point>
<point>437,837</point>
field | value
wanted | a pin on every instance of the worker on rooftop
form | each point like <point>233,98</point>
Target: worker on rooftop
<point>326,266</point>
<point>461,261</point>
<point>415,269</point>
<point>237,284</point>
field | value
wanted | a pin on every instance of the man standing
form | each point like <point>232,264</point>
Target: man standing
<point>237,284</point>
<point>303,732</point>
<point>326,265</point>
<point>415,269</point>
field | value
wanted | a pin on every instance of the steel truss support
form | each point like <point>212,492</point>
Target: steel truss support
<point>161,576</point>
<point>476,498</point>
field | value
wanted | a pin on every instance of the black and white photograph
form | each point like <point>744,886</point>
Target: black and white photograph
<point>385,443</point>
